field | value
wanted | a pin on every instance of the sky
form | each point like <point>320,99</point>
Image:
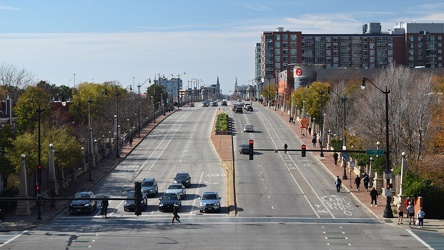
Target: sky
<point>67,42</point>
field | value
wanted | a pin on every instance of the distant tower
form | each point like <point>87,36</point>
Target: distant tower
<point>218,87</point>
<point>235,85</point>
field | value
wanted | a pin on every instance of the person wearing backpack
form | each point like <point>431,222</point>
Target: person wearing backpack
<point>338,183</point>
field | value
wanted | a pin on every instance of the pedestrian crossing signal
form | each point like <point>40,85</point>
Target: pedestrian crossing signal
<point>303,151</point>
<point>251,149</point>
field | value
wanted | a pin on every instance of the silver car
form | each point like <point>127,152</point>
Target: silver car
<point>210,202</point>
<point>177,188</point>
<point>248,128</point>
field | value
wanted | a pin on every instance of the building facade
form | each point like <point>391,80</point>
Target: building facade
<point>408,44</point>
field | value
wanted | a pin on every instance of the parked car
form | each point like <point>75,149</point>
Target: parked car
<point>244,149</point>
<point>210,201</point>
<point>130,203</point>
<point>149,187</point>
<point>168,201</point>
<point>83,206</point>
<point>248,128</point>
<point>177,188</point>
<point>184,178</point>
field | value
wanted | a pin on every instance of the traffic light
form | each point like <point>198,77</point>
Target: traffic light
<point>251,149</point>
<point>389,185</point>
<point>138,196</point>
<point>303,151</point>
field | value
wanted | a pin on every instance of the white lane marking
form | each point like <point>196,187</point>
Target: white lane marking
<point>292,176</point>
<point>195,193</point>
<point>419,239</point>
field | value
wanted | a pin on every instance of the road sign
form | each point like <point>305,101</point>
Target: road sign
<point>375,152</point>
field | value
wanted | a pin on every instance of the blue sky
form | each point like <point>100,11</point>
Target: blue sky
<point>139,39</point>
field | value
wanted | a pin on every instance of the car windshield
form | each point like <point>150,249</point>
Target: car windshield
<point>82,195</point>
<point>147,184</point>
<point>245,146</point>
<point>169,197</point>
<point>175,187</point>
<point>181,176</point>
<point>209,197</point>
<point>131,195</point>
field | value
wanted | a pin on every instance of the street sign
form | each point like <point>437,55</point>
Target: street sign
<point>375,152</point>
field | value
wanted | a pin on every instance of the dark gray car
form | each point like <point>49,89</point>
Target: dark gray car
<point>184,178</point>
<point>149,187</point>
<point>85,205</point>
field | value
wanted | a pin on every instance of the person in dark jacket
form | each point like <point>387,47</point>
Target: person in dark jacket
<point>357,182</point>
<point>374,195</point>
<point>366,180</point>
<point>175,215</point>
<point>335,157</point>
<point>105,204</point>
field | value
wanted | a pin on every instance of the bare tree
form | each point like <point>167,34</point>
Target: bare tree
<point>14,79</point>
<point>410,102</point>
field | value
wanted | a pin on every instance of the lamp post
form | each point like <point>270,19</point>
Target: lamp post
<point>139,110</point>
<point>117,125</point>
<point>344,147</point>
<point>39,180</point>
<point>388,213</point>
<point>321,124</point>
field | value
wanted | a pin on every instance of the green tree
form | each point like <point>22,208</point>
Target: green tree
<point>29,102</point>
<point>269,92</point>
<point>6,146</point>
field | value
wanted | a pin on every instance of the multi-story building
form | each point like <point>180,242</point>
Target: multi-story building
<point>409,44</point>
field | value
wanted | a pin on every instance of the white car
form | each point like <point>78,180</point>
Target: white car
<point>248,128</point>
<point>177,188</point>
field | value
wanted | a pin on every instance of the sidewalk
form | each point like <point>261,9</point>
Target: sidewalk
<point>19,223</point>
<point>350,187</point>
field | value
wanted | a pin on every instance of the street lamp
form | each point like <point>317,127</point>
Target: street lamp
<point>344,100</point>
<point>139,127</point>
<point>39,160</point>
<point>388,213</point>
<point>117,125</point>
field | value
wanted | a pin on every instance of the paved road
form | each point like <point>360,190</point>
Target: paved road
<point>266,219</point>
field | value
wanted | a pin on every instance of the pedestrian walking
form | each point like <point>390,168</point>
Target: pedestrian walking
<point>52,195</point>
<point>335,157</point>
<point>406,204</point>
<point>285,147</point>
<point>374,195</point>
<point>314,140</point>
<point>357,182</point>
<point>338,183</point>
<point>420,216</point>
<point>400,212</point>
<point>104,210</point>
<point>131,141</point>
<point>175,215</point>
<point>2,218</point>
<point>411,213</point>
<point>309,130</point>
<point>366,180</point>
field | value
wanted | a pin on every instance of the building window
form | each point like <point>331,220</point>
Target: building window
<point>277,37</point>
<point>293,37</point>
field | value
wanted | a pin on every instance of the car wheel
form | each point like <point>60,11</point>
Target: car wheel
<point>201,211</point>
